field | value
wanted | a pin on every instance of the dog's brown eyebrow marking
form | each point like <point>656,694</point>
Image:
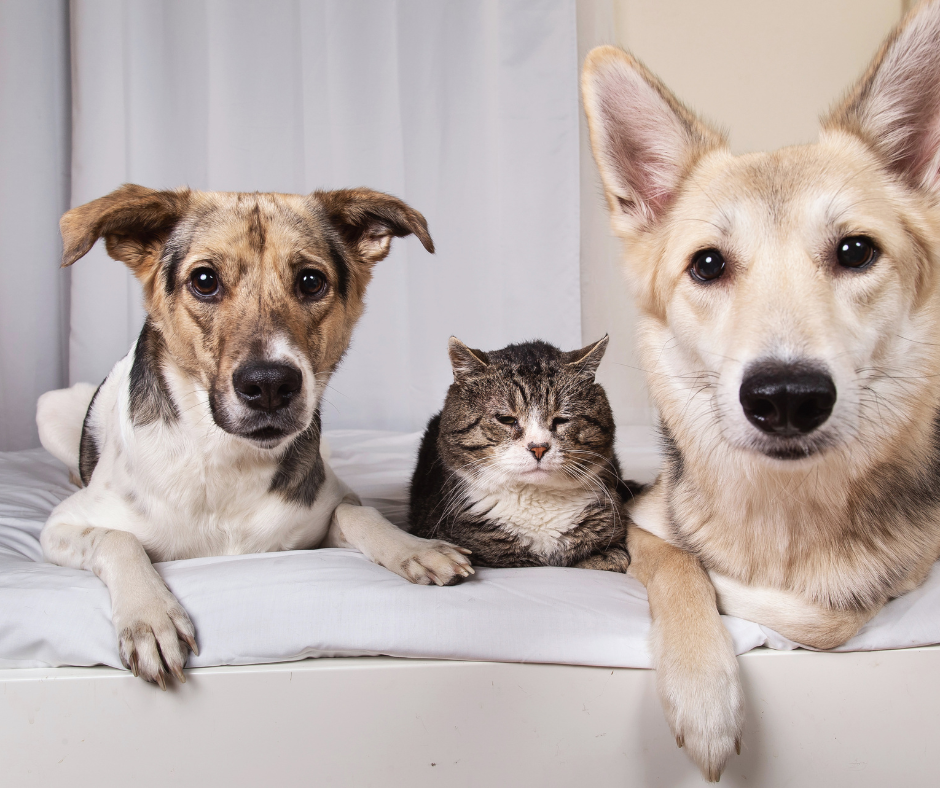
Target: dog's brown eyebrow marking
<point>328,234</point>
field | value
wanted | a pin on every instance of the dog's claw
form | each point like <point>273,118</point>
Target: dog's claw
<point>737,746</point>
<point>191,642</point>
<point>680,741</point>
<point>153,637</point>
<point>432,561</point>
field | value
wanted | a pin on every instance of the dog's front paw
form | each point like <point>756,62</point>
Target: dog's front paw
<point>703,701</point>
<point>154,634</point>
<point>427,561</point>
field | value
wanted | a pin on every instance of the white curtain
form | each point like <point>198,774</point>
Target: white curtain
<point>34,192</point>
<point>466,109</point>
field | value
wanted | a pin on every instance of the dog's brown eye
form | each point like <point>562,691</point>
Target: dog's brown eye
<point>707,265</point>
<point>311,283</point>
<point>509,421</point>
<point>204,281</point>
<point>856,251</point>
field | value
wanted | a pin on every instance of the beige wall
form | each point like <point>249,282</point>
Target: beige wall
<point>763,70</point>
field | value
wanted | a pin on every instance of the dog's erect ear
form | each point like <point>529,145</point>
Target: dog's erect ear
<point>644,139</point>
<point>895,106</point>
<point>587,359</point>
<point>368,220</point>
<point>133,220</point>
<point>465,360</point>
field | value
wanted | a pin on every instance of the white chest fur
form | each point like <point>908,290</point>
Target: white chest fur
<point>538,516</point>
<point>188,489</point>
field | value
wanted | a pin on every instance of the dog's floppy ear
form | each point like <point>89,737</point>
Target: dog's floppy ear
<point>895,106</point>
<point>465,360</point>
<point>133,220</point>
<point>644,139</point>
<point>586,360</point>
<point>368,220</point>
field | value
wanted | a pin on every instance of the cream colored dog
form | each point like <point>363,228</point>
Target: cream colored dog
<point>790,327</point>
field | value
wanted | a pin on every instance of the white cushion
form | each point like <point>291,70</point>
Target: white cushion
<point>286,606</point>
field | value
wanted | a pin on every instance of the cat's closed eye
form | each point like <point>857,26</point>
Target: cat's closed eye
<point>509,421</point>
<point>558,421</point>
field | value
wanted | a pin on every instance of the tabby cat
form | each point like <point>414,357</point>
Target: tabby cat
<point>519,466</point>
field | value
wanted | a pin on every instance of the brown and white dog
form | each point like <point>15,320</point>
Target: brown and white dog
<point>205,439</point>
<point>790,328</point>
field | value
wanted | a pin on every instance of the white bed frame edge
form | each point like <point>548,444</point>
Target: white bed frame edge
<point>856,719</point>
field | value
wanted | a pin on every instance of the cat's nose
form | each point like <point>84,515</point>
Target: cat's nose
<point>538,449</point>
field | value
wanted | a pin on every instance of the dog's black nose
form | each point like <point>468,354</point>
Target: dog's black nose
<point>267,386</point>
<point>785,399</point>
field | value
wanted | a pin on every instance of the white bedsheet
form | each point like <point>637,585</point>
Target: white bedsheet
<point>286,606</point>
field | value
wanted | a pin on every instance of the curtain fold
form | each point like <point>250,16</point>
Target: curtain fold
<point>34,192</point>
<point>466,110</point>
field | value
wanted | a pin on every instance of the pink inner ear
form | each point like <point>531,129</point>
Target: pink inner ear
<point>899,110</point>
<point>644,142</point>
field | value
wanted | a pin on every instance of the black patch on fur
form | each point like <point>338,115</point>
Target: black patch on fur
<point>340,264</point>
<point>149,396</point>
<point>174,253</point>
<point>301,472</point>
<point>673,462</point>
<point>88,452</point>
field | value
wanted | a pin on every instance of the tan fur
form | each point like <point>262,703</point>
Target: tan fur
<point>812,547</point>
<point>257,243</point>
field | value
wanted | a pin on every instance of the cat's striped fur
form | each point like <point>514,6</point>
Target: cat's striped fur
<point>519,466</point>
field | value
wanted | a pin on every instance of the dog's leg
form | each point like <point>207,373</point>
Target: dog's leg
<point>789,614</point>
<point>153,629</point>
<point>696,669</point>
<point>422,561</point>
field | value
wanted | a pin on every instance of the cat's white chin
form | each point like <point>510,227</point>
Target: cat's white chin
<point>542,477</point>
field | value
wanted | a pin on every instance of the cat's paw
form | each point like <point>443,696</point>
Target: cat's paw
<point>616,559</point>
<point>427,561</point>
<point>154,636</point>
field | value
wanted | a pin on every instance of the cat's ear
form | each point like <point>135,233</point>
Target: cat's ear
<point>465,360</point>
<point>587,359</point>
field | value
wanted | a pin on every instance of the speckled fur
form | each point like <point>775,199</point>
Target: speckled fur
<point>175,464</point>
